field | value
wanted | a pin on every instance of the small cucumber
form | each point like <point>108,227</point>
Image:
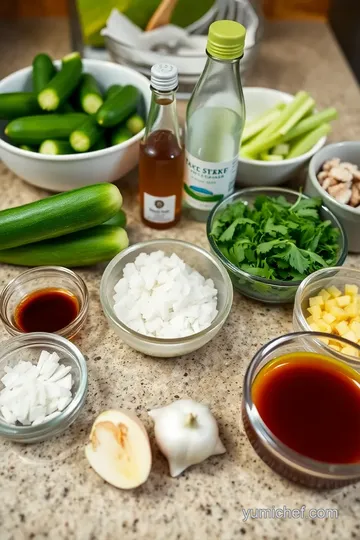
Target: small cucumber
<point>63,84</point>
<point>35,129</point>
<point>43,71</point>
<point>89,94</point>
<point>16,104</point>
<point>112,90</point>
<point>118,220</point>
<point>118,107</point>
<point>86,135</point>
<point>55,148</point>
<point>28,148</point>
<point>135,124</point>
<point>66,108</point>
<point>83,248</point>
<point>100,144</point>
<point>120,134</point>
<point>57,215</point>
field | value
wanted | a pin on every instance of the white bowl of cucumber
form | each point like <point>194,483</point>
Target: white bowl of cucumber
<point>271,158</point>
<point>113,155</point>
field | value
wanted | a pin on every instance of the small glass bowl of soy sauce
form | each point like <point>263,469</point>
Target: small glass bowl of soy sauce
<point>301,409</point>
<point>48,299</point>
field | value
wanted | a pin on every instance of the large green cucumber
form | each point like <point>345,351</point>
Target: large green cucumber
<point>63,84</point>
<point>36,129</point>
<point>43,71</point>
<point>16,104</point>
<point>119,106</point>
<point>60,214</point>
<point>83,248</point>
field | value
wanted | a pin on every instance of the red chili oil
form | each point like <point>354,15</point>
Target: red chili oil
<point>311,403</point>
<point>46,310</point>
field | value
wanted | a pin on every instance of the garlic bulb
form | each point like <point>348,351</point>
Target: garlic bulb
<point>119,449</point>
<point>186,433</point>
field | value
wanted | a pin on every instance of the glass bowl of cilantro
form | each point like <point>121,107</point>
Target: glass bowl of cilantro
<point>270,239</point>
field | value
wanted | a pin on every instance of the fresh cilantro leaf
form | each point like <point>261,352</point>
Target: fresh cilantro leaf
<point>260,272</point>
<point>271,228</point>
<point>296,258</point>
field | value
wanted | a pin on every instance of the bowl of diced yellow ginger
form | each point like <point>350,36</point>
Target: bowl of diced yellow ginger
<point>329,301</point>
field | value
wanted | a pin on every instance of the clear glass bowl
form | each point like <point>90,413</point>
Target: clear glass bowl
<point>322,279</point>
<point>276,454</point>
<point>28,347</point>
<point>262,289</point>
<point>44,277</point>
<point>194,256</point>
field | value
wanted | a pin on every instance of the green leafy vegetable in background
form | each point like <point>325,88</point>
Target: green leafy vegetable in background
<point>275,239</point>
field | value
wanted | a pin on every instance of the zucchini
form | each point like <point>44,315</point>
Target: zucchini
<point>57,215</point>
<point>83,248</point>
<point>120,134</point>
<point>135,124</point>
<point>89,94</point>
<point>55,148</point>
<point>43,71</point>
<point>16,104</point>
<point>35,129</point>
<point>119,220</point>
<point>63,84</point>
<point>113,89</point>
<point>86,135</point>
<point>118,107</point>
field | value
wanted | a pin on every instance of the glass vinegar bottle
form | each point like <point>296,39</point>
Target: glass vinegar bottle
<point>215,119</point>
<point>161,161</point>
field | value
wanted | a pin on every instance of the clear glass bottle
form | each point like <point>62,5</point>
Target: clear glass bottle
<point>214,122</point>
<point>161,161</point>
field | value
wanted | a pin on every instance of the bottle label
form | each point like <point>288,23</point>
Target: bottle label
<point>206,182</point>
<point>159,209</point>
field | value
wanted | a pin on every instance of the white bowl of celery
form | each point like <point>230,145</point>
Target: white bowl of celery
<point>281,134</point>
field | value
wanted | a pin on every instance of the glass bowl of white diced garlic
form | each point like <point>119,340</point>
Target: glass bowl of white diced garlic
<point>166,298</point>
<point>43,386</point>
<point>329,301</point>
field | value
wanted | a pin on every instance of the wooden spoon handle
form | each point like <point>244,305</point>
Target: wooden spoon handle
<point>162,14</point>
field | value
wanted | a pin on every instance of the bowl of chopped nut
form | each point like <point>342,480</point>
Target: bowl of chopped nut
<point>334,175</point>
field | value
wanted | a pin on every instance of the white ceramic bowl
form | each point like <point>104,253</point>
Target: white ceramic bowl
<point>61,173</point>
<point>349,217</point>
<point>196,257</point>
<point>269,173</point>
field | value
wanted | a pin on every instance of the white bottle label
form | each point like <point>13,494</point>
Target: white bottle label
<point>159,209</point>
<point>206,182</point>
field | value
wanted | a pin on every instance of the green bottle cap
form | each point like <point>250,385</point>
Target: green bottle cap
<point>226,40</point>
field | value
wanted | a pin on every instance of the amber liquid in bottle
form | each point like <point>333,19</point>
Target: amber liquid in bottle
<point>161,166</point>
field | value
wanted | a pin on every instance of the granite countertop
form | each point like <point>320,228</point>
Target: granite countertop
<point>48,489</point>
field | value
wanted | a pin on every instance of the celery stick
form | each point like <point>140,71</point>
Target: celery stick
<point>310,123</point>
<point>261,122</point>
<point>258,145</point>
<point>308,141</point>
<point>271,157</point>
<point>289,110</point>
<point>281,149</point>
<point>271,136</point>
<point>300,112</point>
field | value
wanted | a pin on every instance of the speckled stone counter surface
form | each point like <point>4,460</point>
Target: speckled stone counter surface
<point>48,490</point>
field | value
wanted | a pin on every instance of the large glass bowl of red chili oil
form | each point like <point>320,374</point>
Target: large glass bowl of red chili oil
<point>301,410</point>
<point>50,299</point>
